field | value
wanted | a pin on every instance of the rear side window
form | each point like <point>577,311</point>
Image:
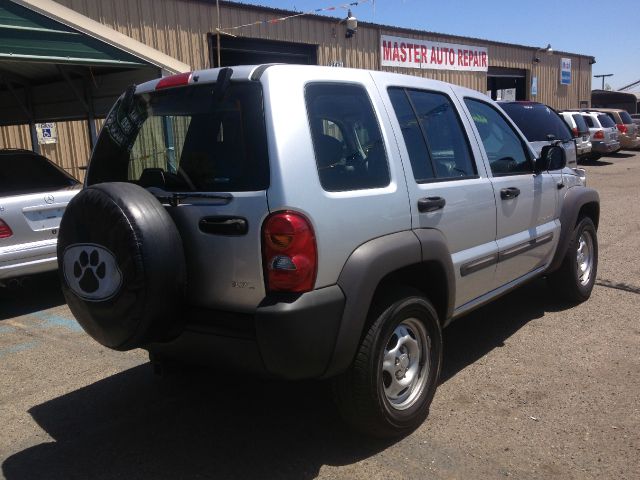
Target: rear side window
<point>24,172</point>
<point>580,123</point>
<point>347,141</point>
<point>588,120</point>
<point>186,139</point>
<point>625,117</point>
<point>435,139</point>
<point>606,121</point>
<point>538,122</point>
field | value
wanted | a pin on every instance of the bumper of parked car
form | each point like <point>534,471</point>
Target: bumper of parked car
<point>27,259</point>
<point>629,142</point>
<point>583,148</point>
<point>606,147</point>
<point>289,337</point>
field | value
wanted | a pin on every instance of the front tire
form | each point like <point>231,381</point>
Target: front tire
<point>389,387</point>
<point>575,278</point>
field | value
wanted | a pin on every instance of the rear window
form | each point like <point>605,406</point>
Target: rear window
<point>606,121</point>
<point>580,123</point>
<point>537,122</point>
<point>626,118</point>
<point>24,172</point>
<point>186,139</point>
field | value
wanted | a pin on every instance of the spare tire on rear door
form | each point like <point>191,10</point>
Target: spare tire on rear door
<point>122,265</point>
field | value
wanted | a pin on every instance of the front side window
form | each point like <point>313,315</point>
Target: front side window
<point>435,139</point>
<point>186,139</point>
<point>347,140</point>
<point>503,145</point>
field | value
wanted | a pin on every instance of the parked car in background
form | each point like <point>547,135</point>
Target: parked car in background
<point>33,195</point>
<point>636,118</point>
<point>604,134</point>
<point>627,130</point>
<point>542,126</point>
<point>580,132</point>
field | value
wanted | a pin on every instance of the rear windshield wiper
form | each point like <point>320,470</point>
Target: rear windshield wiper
<point>176,198</point>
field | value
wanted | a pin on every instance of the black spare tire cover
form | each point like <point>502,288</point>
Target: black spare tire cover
<point>122,265</point>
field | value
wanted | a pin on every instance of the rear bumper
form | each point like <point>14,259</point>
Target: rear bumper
<point>28,259</point>
<point>629,142</point>
<point>583,148</point>
<point>291,337</point>
<point>605,147</point>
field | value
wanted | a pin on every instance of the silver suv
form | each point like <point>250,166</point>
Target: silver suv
<point>311,222</point>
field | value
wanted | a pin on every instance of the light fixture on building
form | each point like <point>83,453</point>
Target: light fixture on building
<point>352,25</point>
<point>548,50</point>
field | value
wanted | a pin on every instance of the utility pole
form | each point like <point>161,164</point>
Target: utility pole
<point>603,77</point>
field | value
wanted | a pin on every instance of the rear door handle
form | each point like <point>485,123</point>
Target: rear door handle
<point>224,225</point>
<point>431,204</point>
<point>510,192</point>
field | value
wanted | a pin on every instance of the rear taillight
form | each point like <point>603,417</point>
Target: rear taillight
<point>5,230</point>
<point>622,128</point>
<point>575,132</point>
<point>178,80</point>
<point>289,253</point>
<point>599,135</point>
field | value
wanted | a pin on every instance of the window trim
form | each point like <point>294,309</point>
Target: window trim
<point>472,157</point>
<point>376,117</point>
<point>525,146</point>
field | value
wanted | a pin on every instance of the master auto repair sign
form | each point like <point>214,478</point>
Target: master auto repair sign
<point>414,53</point>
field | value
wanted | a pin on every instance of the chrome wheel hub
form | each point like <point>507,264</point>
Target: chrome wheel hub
<point>405,364</point>
<point>584,258</point>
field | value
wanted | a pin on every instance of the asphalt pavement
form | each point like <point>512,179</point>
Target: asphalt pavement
<point>530,389</point>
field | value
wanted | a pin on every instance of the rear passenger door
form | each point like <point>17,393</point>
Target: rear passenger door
<point>448,189</point>
<point>527,227</point>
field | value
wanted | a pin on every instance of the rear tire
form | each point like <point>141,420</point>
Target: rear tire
<point>389,387</point>
<point>574,280</point>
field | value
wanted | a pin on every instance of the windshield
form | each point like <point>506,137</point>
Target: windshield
<point>185,139</point>
<point>538,122</point>
<point>26,172</point>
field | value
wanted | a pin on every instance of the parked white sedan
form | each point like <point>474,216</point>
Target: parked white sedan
<point>33,195</point>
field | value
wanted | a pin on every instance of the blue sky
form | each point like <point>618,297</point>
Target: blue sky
<point>567,25</point>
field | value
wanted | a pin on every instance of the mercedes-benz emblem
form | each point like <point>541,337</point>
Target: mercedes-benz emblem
<point>49,199</point>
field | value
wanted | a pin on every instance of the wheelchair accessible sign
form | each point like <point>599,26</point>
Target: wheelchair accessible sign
<point>47,133</point>
<point>565,71</point>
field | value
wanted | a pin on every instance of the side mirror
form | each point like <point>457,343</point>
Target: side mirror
<point>553,157</point>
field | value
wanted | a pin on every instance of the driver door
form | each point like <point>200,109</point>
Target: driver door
<point>526,203</point>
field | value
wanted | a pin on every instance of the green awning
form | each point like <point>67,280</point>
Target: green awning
<point>27,35</point>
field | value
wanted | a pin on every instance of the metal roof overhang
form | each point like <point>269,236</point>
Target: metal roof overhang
<point>56,64</point>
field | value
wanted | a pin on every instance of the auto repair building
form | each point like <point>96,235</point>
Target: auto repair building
<point>63,63</point>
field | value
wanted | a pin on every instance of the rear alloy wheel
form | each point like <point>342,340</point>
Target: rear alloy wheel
<point>575,278</point>
<point>388,389</point>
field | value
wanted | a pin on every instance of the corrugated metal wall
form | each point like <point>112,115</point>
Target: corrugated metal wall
<point>179,28</point>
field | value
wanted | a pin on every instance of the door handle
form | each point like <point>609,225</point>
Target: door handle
<point>431,204</point>
<point>224,225</point>
<point>510,192</point>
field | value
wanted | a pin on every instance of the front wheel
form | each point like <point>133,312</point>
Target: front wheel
<point>575,278</point>
<point>388,389</point>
